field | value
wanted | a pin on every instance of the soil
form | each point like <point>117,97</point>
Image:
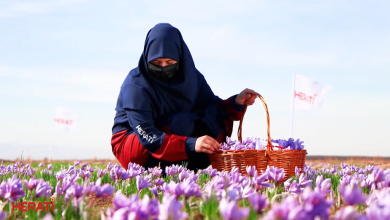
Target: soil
<point>315,161</point>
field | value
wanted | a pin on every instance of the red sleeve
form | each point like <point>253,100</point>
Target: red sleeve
<point>163,146</point>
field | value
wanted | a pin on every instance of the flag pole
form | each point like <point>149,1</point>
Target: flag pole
<point>293,106</point>
<point>52,137</point>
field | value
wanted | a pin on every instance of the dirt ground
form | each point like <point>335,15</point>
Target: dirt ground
<point>315,161</point>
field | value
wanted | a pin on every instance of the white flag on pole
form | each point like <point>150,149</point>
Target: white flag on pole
<point>64,119</point>
<point>309,95</point>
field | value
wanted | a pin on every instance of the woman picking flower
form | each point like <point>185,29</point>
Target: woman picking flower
<point>166,112</point>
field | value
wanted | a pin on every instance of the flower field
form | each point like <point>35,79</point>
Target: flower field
<point>84,191</point>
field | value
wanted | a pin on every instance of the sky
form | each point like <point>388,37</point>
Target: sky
<point>76,54</point>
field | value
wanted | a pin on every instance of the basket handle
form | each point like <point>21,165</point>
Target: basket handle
<point>239,131</point>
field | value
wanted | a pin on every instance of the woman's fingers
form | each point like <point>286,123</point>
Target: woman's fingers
<point>212,144</point>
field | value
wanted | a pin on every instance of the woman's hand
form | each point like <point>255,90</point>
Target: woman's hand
<point>246,97</point>
<point>206,144</point>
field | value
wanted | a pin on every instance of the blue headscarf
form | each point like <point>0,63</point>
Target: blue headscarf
<point>188,91</point>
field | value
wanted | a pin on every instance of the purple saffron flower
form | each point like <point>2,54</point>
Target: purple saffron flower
<point>109,166</point>
<point>275,174</point>
<point>173,188</point>
<point>376,211</point>
<point>303,182</point>
<point>142,183</point>
<point>294,188</point>
<point>159,182</point>
<point>84,166</point>
<point>171,170</point>
<point>154,190</point>
<point>104,191</point>
<point>230,211</point>
<point>232,194</point>
<point>121,201</point>
<point>3,215</point>
<point>101,172</point>
<point>260,181</point>
<point>258,202</point>
<point>251,170</point>
<point>31,184</point>
<point>247,191</point>
<point>155,171</point>
<point>76,163</point>
<point>12,189</point>
<point>85,174</point>
<point>49,167</point>
<point>323,185</point>
<point>282,210</point>
<point>43,189</point>
<point>171,209</point>
<point>352,194</point>
<point>183,175</point>
<point>75,191</point>
<point>376,176</point>
<point>316,204</point>
<point>90,169</point>
<point>349,212</point>
<point>40,165</point>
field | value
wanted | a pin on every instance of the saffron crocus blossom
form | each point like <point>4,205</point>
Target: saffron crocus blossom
<point>60,175</point>
<point>316,204</point>
<point>173,188</point>
<point>31,184</point>
<point>258,202</point>
<point>376,211</point>
<point>190,188</point>
<point>121,201</point>
<point>3,215</point>
<point>101,172</point>
<point>154,190</point>
<point>171,209</point>
<point>142,183</point>
<point>49,167</point>
<point>155,171</point>
<point>171,170</point>
<point>104,191</point>
<point>146,209</point>
<point>251,170</point>
<point>12,189</point>
<point>43,189</point>
<point>352,194</point>
<point>60,190</point>
<point>274,173</point>
<point>230,211</point>
<point>349,212</point>
<point>159,182</point>
<point>76,163</point>
<point>83,167</point>
<point>85,175</point>
<point>281,210</point>
<point>376,176</point>
<point>260,181</point>
<point>323,185</point>
<point>304,182</point>
<point>40,165</point>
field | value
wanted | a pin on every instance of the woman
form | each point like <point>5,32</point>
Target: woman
<point>166,112</point>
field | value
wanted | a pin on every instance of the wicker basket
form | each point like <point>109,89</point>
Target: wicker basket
<point>286,159</point>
